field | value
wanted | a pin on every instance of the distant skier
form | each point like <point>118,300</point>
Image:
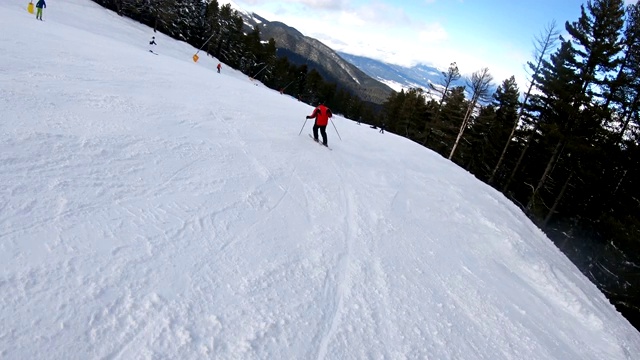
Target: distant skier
<point>152,43</point>
<point>322,114</point>
<point>39,6</point>
<point>382,128</point>
<point>219,67</point>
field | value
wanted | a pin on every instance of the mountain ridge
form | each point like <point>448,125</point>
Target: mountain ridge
<point>372,79</point>
<point>400,77</point>
<point>302,49</point>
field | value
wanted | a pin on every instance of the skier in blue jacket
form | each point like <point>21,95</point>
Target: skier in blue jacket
<point>39,5</point>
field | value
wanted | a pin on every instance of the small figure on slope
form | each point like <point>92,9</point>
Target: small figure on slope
<point>322,114</point>
<point>152,43</point>
<point>39,6</point>
<point>219,67</point>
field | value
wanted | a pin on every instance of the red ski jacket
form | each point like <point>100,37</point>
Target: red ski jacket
<point>321,114</point>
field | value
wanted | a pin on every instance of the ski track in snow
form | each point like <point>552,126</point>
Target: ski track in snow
<point>340,279</point>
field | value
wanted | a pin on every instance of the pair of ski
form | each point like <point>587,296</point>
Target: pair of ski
<point>318,142</point>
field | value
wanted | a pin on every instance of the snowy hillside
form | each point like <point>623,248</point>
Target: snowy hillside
<point>151,208</point>
<point>399,77</point>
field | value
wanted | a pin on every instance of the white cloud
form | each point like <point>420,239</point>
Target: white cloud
<point>432,33</point>
<point>312,4</point>
<point>381,14</point>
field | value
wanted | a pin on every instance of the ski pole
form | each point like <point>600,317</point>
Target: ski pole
<point>305,123</point>
<point>334,126</point>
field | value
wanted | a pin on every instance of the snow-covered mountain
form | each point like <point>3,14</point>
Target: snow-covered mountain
<point>151,208</point>
<point>300,49</point>
<point>396,76</point>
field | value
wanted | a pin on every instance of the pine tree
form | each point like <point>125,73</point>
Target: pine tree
<point>596,41</point>
<point>626,88</point>
<point>212,26</point>
<point>554,105</point>
<point>481,138</point>
<point>480,88</point>
<point>391,107</point>
<point>411,113</point>
<point>506,104</point>
<point>445,128</point>
<point>580,66</point>
<point>543,45</point>
<point>229,42</point>
<point>448,80</point>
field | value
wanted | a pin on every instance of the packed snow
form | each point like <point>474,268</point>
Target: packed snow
<point>151,208</point>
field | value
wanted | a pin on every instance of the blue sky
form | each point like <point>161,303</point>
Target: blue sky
<point>497,34</point>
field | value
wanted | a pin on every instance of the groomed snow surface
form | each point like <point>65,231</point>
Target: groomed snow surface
<point>151,208</point>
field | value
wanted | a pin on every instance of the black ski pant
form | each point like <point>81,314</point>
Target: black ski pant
<point>323,131</point>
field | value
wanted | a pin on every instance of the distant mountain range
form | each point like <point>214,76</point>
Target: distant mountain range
<point>396,76</point>
<point>372,80</point>
<point>301,49</point>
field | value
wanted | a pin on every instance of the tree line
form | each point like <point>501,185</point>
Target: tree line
<point>565,149</point>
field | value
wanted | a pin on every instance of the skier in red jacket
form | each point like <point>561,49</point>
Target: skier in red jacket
<point>322,114</point>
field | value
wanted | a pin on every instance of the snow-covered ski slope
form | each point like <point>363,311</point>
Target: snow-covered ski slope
<point>151,208</point>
